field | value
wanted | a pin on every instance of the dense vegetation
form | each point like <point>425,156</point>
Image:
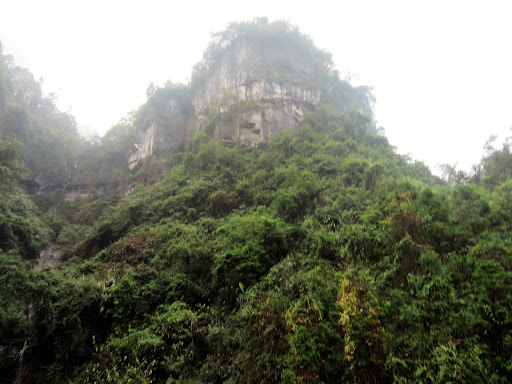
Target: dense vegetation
<point>321,256</point>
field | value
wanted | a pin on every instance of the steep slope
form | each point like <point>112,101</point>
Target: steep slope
<point>258,85</point>
<point>319,257</point>
<point>50,138</point>
<point>163,125</point>
<point>255,79</point>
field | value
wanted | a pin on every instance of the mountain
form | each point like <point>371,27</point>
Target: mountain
<point>251,226</point>
<point>255,79</point>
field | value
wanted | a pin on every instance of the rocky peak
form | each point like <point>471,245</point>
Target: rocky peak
<point>165,123</point>
<point>255,79</point>
<point>250,98</point>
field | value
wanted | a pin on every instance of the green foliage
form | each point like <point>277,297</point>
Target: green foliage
<point>17,287</point>
<point>496,166</point>
<point>249,246</point>
<point>10,166</point>
<point>164,350</point>
<point>322,257</point>
<point>360,318</point>
<point>117,144</point>
<point>22,228</point>
<point>15,279</point>
<point>319,257</point>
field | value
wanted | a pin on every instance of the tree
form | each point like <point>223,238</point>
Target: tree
<point>10,166</point>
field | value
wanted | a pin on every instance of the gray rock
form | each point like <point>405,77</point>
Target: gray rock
<point>243,99</point>
<point>166,124</point>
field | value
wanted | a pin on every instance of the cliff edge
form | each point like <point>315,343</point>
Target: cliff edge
<point>255,79</point>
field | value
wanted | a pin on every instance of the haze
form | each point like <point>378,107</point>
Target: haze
<point>441,71</point>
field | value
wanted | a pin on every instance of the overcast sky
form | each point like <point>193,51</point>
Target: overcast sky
<point>441,70</point>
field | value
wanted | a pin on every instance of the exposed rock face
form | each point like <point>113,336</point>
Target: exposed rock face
<point>48,182</point>
<point>252,99</point>
<point>167,122</point>
<point>144,146</point>
<point>251,93</point>
<point>47,256</point>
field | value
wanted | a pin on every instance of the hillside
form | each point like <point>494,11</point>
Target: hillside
<point>311,254</point>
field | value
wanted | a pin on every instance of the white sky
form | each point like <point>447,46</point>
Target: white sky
<point>441,70</point>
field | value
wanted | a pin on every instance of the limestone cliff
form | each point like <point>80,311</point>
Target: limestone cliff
<point>251,98</point>
<point>255,79</point>
<point>164,125</point>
